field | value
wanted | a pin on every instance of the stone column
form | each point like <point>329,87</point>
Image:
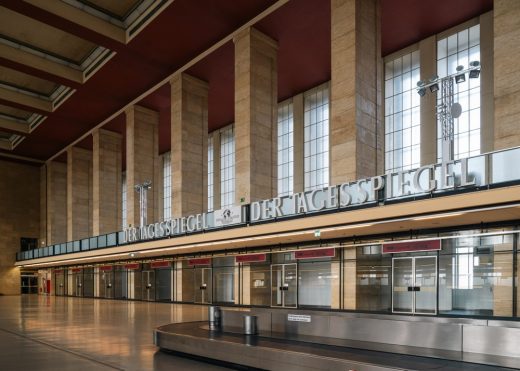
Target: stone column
<point>178,281</point>
<point>428,52</point>
<point>349,278</point>
<point>356,135</point>
<point>189,143</point>
<point>503,271</point>
<point>56,202</point>
<point>256,84</point>
<point>506,73</point>
<point>79,212</point>
<point>142,160</point>
<point>107,169</point>
<point>43,207</point>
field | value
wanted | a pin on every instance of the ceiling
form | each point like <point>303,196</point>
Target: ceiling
<point>68,65</point>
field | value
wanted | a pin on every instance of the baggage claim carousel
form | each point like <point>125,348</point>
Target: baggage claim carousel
<point>278,339</point>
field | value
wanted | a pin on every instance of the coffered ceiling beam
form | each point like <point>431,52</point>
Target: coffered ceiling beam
<point>82,18</point>
<point>14,126</point>
<point>70,19</point>
<point>28,102</point>
<point>40,63</point>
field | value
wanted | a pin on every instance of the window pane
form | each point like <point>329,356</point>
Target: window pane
<point>316,137</point>
<point>462,48</point>
<point>402,114</point>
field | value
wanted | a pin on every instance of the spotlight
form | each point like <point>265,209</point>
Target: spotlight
<point>421,92</point>
<point>460,77</point>
<point>434,87</point>
<point>420,83</point>
<point>474,64</point>
<point>474,74</point>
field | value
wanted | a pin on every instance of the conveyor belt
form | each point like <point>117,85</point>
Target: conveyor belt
<point>281,354</point>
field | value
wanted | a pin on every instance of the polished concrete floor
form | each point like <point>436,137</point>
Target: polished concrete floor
<point>59,333</point>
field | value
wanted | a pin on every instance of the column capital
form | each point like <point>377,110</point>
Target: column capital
<point>255,36</point>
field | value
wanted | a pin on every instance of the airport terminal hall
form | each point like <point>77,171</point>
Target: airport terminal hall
<point>260,185</point>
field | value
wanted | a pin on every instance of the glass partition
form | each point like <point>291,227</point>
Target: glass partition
<point>88,282</point>
<point>112,239</point>
<point>476,276</point>
<point>373,289</point>
<point>102,241</point>
<point>255,283</point>
<point>318,283</point>
<point>224,280</point>
<point>501,169</point>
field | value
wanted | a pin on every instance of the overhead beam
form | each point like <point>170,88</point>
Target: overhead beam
<point>28,101</point>
<point>4,144</point>
<point>30,70</point>
<point>82,18</point>
<point>14,126</point>
<point>40,63</point>
<point>12,157</point>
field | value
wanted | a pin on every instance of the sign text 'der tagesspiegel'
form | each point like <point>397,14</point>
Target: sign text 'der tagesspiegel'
<point>401,184</point>
<point>426,179</point>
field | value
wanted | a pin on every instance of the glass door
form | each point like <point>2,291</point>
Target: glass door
<point>163,280</point>
<point>79,284</point>
<point>284,285</point>
<point>105,285</point>
<point>426,284</point>
<point>60,284</point>
<point>203,285</point>
<point>148,285</point>
<point>402,282</point>
<point>414,285</point>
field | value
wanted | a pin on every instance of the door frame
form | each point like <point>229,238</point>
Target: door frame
<point>413,312</point>
<point>283,265</point>
<point>146,288</point>
<point>202,281</point>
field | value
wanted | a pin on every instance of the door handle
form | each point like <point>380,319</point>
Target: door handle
<point>410,288</point>
<point>203,287</point>
<point>417,288</point>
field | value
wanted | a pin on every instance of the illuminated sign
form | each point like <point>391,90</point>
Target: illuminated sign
<point>189,224</point>
<point>313,254</point>
<point>401,184</point>
<point>411,246</point>
<point>251,258</point>
<point>200,261</point>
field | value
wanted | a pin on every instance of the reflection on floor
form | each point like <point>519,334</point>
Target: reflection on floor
<point>60,333</point>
